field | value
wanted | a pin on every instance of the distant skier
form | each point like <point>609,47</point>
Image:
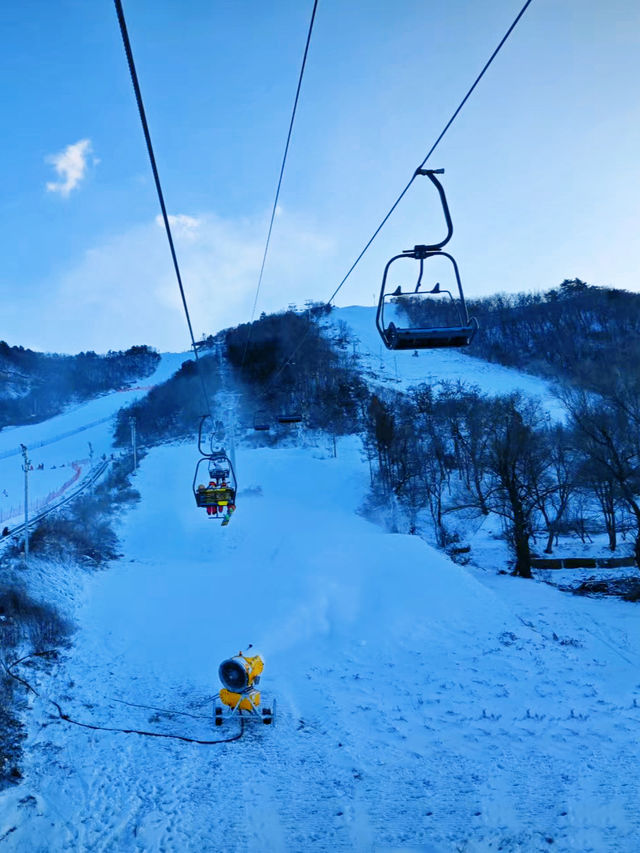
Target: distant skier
<point>5,531</point>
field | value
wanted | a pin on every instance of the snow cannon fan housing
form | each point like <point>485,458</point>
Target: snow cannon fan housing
<point>240,675</point>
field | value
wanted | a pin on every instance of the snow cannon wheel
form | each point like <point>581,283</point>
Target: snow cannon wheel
<point>218,716</point>
<point>268,715</point>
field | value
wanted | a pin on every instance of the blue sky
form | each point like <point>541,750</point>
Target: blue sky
<point>541,167</point>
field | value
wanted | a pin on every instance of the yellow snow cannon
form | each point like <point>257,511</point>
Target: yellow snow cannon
<point>240,675</point>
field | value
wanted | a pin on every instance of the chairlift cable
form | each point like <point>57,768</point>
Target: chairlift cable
<point>431,150</point>
<point>282,167</point>
<point>413,177</point>
<point>145,127</point>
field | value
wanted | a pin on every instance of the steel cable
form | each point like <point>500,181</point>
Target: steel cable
<point>277,196</point>
<point>431,150</point>
<point>405,190</point>
<point>145,127</point>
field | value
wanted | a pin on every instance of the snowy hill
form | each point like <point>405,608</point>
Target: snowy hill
<point>422,706</point>
<point>401,370</point>
<point>35,386</point>
<point>62,444</point>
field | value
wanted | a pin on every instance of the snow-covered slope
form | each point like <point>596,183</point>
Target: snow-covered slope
<point>421,705</point>
<point>402,369</point>
<point>67,438</point>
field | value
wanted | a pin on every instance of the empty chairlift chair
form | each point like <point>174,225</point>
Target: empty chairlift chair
<point>290,417</point>
<point>446,321</point>
<point>261,421</point>
<point>289,411</point>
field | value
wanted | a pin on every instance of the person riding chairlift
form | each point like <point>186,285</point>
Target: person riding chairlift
<point>231,508</point>
<point>212,509</point>
<point>227,493</point>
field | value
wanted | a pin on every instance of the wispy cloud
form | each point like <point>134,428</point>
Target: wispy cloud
<point>70,165</point>
<point>182,225</point>
<point>124,291</point>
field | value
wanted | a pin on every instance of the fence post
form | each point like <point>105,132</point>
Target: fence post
<point>25,467</point>
<point>132,422</point>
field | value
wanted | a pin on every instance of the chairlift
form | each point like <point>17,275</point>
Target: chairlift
<point>460,330</point>
<point>218,496</point>
<point>290,417</point>
<point>261,421</point>
<point>289,412</point>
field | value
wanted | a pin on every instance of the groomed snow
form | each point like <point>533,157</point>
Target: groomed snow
<point>88,422</point>
<point>401,370</point>
<point>422,706</point>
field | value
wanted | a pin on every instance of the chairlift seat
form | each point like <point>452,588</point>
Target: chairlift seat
<point>261,421</point>
<point>214,497</point>
<point>435,338</point>
<point>205,497</point>
<point>289,419</point>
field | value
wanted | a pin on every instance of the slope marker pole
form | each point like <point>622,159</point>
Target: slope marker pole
<point>25,468</point>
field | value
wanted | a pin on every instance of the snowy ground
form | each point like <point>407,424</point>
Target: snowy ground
<point>63,456</point>
<point>422,706</point>
<point>401,370</point>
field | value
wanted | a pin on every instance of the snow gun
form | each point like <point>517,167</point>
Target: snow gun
<point>240,675</point>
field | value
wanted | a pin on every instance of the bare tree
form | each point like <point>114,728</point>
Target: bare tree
<point>518,467</point>
<point>555,490</point>
<point>608,431</point>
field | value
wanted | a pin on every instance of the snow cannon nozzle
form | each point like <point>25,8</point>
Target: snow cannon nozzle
<point>241,672</point>
<point>233,675</point>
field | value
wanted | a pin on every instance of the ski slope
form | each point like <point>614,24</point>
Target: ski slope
<point>65,455</point>
<point>401,370</point>
<point>422,706</point>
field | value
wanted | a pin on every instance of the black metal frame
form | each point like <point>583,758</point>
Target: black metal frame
<point>211,457</point>
<point>289,418</point>
<point>398,338</point>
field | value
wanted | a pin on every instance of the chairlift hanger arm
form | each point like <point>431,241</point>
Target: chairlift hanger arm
<point>422,251</point>
<point>201,451</point>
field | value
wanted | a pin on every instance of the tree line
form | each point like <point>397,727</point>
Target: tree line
<point>172,409</point>
<point>459,451</point>
<point>37,386</point>
<point>320,381</point>
<point>574,332</point>
<point>289,362</point>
